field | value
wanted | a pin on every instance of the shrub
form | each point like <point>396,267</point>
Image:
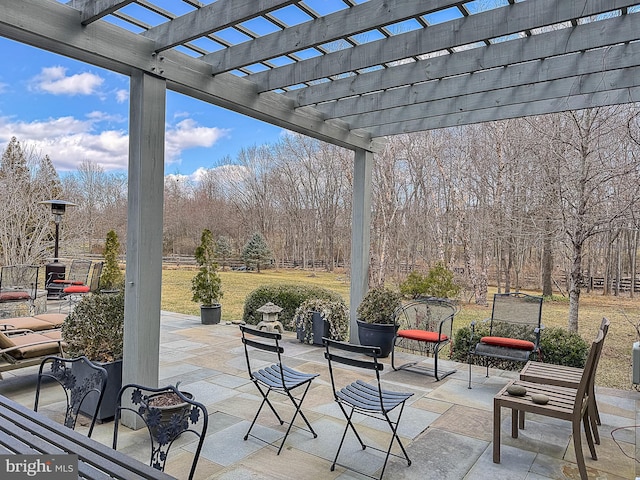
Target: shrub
<point>95,328</point>
<point>112,277</point>
<point>558,346</point>
<point>437,283</point>
<point>562,347</point>
<point>206,285</point>
<point>288,297</point>
<point>379,306</point>
<point>335,312</point>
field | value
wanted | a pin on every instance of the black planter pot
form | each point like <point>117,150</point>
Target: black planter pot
<point>114,382</point>
<point>377,335</point>
<point>210,314</point>
<point>319,329</point>
<point>168,411</point>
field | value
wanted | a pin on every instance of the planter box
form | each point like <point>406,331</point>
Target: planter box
<point>377,335</point>
<point>319,329</point>
<point>114,382</point>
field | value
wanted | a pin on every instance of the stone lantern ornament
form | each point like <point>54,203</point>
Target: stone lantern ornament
<point>270,321</point>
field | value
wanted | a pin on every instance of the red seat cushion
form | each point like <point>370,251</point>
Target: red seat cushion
<point>9,296</point>
<point>422,335</point>
<point>508,342</point>
<point>76,289</point>
<point>68,282</point>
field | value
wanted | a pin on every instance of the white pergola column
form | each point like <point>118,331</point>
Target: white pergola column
<point>144,230</point>
<point>360,236</point>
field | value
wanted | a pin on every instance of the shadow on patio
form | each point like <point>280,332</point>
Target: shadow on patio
<point>446,427</point>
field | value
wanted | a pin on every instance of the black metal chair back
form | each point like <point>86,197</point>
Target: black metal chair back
<point>368,399</point>
<point>165,423</point>
<point>82,381</point>
<point>277,378</point>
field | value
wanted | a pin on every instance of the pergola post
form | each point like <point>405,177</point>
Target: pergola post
<point>360,236</point>
<point>144,230</point>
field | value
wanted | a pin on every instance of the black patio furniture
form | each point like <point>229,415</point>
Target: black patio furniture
<point>368,399</point>
<point>19,283</point>
<point>514,330</point>
<point>277,378</point>
<point>425,326</point>
<point>167,413</point>
<point>90,388</point>
<point>77,274</point>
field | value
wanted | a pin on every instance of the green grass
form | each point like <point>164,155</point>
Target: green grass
<point>615,365</point>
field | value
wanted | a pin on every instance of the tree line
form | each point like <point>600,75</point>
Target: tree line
<point>516,203</point>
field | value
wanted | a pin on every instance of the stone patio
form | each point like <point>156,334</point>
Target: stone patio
<point>446,427</point>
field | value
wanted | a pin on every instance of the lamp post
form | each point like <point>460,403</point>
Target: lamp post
<point>55,270</point>
<point>58,208</point>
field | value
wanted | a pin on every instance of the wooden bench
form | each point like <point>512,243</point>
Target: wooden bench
<point>425,326</point>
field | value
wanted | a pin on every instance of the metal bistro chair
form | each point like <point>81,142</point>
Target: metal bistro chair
<point>75,292</point>
<point>364,398</point>
<point>276,378</point>
<point>164,423</point>
<point>514,330</point>
<point>90,390</point>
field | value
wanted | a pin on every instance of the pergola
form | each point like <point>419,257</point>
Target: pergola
<point>348,72</point>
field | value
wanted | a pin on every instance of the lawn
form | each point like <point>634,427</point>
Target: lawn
<point>615,365</point>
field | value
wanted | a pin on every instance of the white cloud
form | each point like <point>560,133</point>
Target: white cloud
<point>122,96</point>
<point>188,134</point>
<point>54,80</point>
<point>3,87</point>
<point>68,141</point>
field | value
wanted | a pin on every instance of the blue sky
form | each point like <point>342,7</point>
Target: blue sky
<point>73,112</point>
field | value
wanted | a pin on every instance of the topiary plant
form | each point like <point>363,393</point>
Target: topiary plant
<point>95,328</point>
<point>112,277</point>
<point>206,285</point>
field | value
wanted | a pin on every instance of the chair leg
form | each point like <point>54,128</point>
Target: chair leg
<point>589,434</point>
<point>344,434</point>
<point>297,405</point>
<point>265,399</point>
<point>497,420</point>
<point>577,445</point>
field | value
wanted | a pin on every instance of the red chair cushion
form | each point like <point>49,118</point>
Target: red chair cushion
<point>68,282</point>
<point>76,289</point>
<point>508,342</point>
<point>9,296</point>
<point>422,336</point>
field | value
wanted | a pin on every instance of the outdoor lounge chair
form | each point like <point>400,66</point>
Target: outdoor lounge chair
<point>368,399</point>
<point>568,404</point>
<point>277,378</point>
<point>43,321</point>
<point>24,348</point>
<point>76,391</point>
<point>514,330</point>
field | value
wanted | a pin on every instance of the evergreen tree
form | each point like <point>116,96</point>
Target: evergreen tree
<point>112,277</point>
<point>223,250</point>
<point>256,252</point>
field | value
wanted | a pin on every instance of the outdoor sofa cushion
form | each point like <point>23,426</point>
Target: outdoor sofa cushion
<point>422,336</point>
<point>76,289</point>
<point>14,295</point>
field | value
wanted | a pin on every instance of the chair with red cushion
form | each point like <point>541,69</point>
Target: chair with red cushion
<point>75,292</point>
<point>514,330</point>
<point>78,274</point>
<point>19,283</point>
<point>425,326</point>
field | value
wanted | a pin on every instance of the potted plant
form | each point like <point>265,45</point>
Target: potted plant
<point>316,318</point>
<point>95,329</point>
<point>206,285</point>
<point>376,318</point>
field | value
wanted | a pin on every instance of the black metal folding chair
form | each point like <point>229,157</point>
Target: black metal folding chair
<point>276,378</point>
<point>364,398</point>
<point>165,421</point>
<point>86,390</point>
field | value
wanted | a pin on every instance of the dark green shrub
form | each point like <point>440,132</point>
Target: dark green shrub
<point>288,297</point>
<point>562,347</point>
<point>462,340</point>
<point>379,306</point>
